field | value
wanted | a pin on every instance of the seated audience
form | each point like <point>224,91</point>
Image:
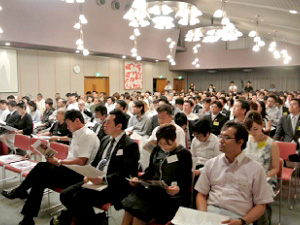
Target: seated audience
<point>110,104</point>
<point>34,113</point>
<point>273,113</point>
<point>169,162</point>
<point>139,122</point>
<point>205,107</point>
<point>288,128</point>
<point>72,101</point>
<point>59,131</point>
<point>261,109</point>
<point>118,158</point>
<point>186,125</point>
<point>3,110</point>
<point>50,174</point>
<point>40,103</point>
<point>187,109</point>
<point>46,123</point>
<point>24,123</point>
<point>87,115</point>
<point>240,109</point>
<point>122,105</point>
<point>264,150</point>
<point>100,116</point>
<point>205,145</point>
<point>232,184</point>
<point>216,118</point>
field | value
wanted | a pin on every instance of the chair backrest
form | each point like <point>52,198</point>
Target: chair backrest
<point>286,149</point>
<point>22,142</point>
<point>61,149</point>
<point>33,140</point>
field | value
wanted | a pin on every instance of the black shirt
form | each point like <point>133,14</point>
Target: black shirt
<point>25,124</point>
<point>60,130</point>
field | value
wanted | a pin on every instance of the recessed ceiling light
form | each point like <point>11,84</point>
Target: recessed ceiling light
<point>156,60</point>
<point>124,56</point>
<point>293,12</point>
<point>77,51</point>
<point>7,44</point>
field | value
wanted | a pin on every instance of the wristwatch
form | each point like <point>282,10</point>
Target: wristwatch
<point>58,138</point>
<point>59,162</point>
<point>243,221</point>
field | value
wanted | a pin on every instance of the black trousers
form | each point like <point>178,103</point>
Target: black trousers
<point>45,175</point>
<point>80,202</point>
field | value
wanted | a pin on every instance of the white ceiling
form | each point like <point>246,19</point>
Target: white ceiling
<point>274,15</point>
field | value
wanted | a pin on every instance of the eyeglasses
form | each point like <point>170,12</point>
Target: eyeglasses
<point>225,138</point>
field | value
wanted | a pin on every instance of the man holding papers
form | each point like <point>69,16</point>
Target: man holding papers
<point>118,159</point>
<point>51,174</point>
<point>232,184</point>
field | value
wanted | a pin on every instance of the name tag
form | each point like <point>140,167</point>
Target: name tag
<point>216,123</point>
<point>172,159</point>
<point>119,152</point>
<point>261,144</point>
<point>285,113</point>
<point>299,128</point>
<point>243,184</point>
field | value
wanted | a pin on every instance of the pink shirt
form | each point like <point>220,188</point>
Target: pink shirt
<point>236,186</point>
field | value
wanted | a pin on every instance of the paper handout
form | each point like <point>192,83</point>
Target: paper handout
<point>87,171</point>
<point>9,128</point>
<point>147,183</point>
<point>40,147</point>
<point>186,216</point>
<point>90,185</point>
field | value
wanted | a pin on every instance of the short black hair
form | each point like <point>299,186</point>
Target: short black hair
<point>12,103</point>
<point>207,100</point>
<point>88,93</point>
<point>112,98</point>
<point>179,101</point>
<point>120,118</point>
<point>90,96</point>
<point>22,105</point>
<point>181,119</point>
<point>297,100</point>
<point>167,132</point>
<point>3,102</point>
<point>11,97</point>
<point>33,105</point>
<point>272,96</point>
<point>73,114</point>
<point>74,94</point>
<point>49,101</point>
<point>253,117</point>
<point>164,108</point>
<point>40,95</point>
<point>189,102</point>
<point>101,109</point>
<point>202,126</point>
<point>241,132</point>
<point>122,103</point>
<point>244,105</point>
<point>140,104</point>
<point>218,103</point>
<point>27,98</point>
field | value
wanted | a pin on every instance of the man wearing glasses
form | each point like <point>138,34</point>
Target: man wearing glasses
<point>232,184</point>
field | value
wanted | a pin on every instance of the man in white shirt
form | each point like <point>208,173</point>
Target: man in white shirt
<point>168,87</point>
<point>51,174</point>
<point>232,88</point>
<point>110,104</point>
<point>40,103</point>
<point>3,110</point>
<point>240,109</point>
<point>187,109</point>
<point>205,145</point>
<point>232,184</point>
<point>87,115</point>
<point>72,101</point>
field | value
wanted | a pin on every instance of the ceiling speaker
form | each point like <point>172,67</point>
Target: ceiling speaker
<point>100,2</point>
<point>115,5</point>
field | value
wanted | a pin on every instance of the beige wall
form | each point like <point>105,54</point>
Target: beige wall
<point>50,72</point>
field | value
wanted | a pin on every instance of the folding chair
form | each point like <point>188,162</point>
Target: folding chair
<point>22,143</point>
<point>286,149</point>
<point>278,188</point>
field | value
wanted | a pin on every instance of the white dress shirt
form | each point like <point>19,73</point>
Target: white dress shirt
<point>117,139</point>
<point>110,107</point>
<point>236,186</point>
<point>3,114</point>
<point>73,106</point>
<point>192,116</point>
<point>84,144</point>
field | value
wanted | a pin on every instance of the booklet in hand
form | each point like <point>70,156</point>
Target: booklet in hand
<point>150,145</point>
<point>148,183</point>
<point>43,149</point>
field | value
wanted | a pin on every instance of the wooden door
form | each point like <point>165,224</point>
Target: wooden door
<point>160,84</point>
<point>179,84</point>
<point>100,84</point>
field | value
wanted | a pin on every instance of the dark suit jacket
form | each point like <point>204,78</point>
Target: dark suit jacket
<point>217,123</point>
<point>120,167</point>
<point>154,123</point>
<point>284,130</point>
<point>25,124</point>
<point>12,119</point>
<point>285,111</point>
<point>101,133</point>
<point>196,108</point>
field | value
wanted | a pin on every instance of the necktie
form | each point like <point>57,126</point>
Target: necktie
<point>107,156</point>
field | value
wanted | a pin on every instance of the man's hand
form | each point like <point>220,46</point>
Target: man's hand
<point>53,161</point>
<point>96,181</point>
<point>173,190</point>
<point>85,180</point>
<point>132,183</point>
<point>232,222</point>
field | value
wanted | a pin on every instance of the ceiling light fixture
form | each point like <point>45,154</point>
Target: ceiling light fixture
<point>1,31</point>
<point>293,11</point>
<point>171,47</point>
<point>7,44</point>
<point>137,14</point>
<point>73,1</point>
<point>258,42</point>
<point>78,26</point>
